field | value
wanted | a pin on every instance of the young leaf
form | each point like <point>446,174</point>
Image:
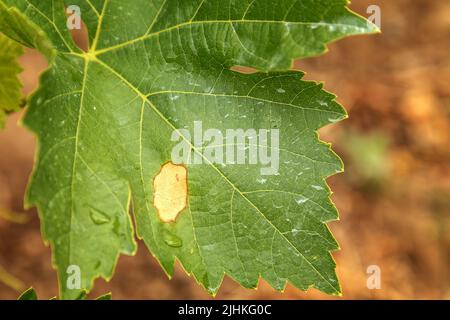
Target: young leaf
<point>10,87</point>
<point>106,296</point>
<point>104,120</point>
<point>30,294</point>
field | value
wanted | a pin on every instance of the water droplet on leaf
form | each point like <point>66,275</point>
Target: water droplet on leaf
<point>98,217</point>
<point>172,240</point>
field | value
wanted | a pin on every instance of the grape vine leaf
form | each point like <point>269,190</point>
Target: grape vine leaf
<point>30,294</point>
<point>104,121</point>
<point>10,86</point>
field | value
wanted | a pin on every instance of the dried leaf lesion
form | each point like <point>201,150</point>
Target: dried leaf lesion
<point>170,191</point>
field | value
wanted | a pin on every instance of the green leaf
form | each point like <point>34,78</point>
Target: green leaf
<point>10,86</point>
<point>107,296</point>
<point>104,121</point>
<point>82,295</point>
<point>30,294</point>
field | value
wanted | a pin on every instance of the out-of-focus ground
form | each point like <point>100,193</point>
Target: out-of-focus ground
<point>394,198</point>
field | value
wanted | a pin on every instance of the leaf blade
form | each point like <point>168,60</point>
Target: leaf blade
<point>10,87</point>
<point>108,129</point>
<point>29,294</point>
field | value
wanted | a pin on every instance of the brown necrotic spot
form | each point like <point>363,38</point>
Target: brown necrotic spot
<point>243,69</point>
<point>170,191</point>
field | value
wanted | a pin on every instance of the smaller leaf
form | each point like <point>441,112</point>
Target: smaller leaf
<point>10,86</point>
<point>107,296</point>
<point>81,296</point>
<point>30,294</point>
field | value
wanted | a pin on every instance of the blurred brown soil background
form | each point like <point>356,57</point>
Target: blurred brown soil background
<point>394,198</point>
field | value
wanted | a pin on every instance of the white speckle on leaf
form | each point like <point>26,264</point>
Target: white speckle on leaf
<point>301,200</point>
<point>261,181</point>
<point>333,120</point>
